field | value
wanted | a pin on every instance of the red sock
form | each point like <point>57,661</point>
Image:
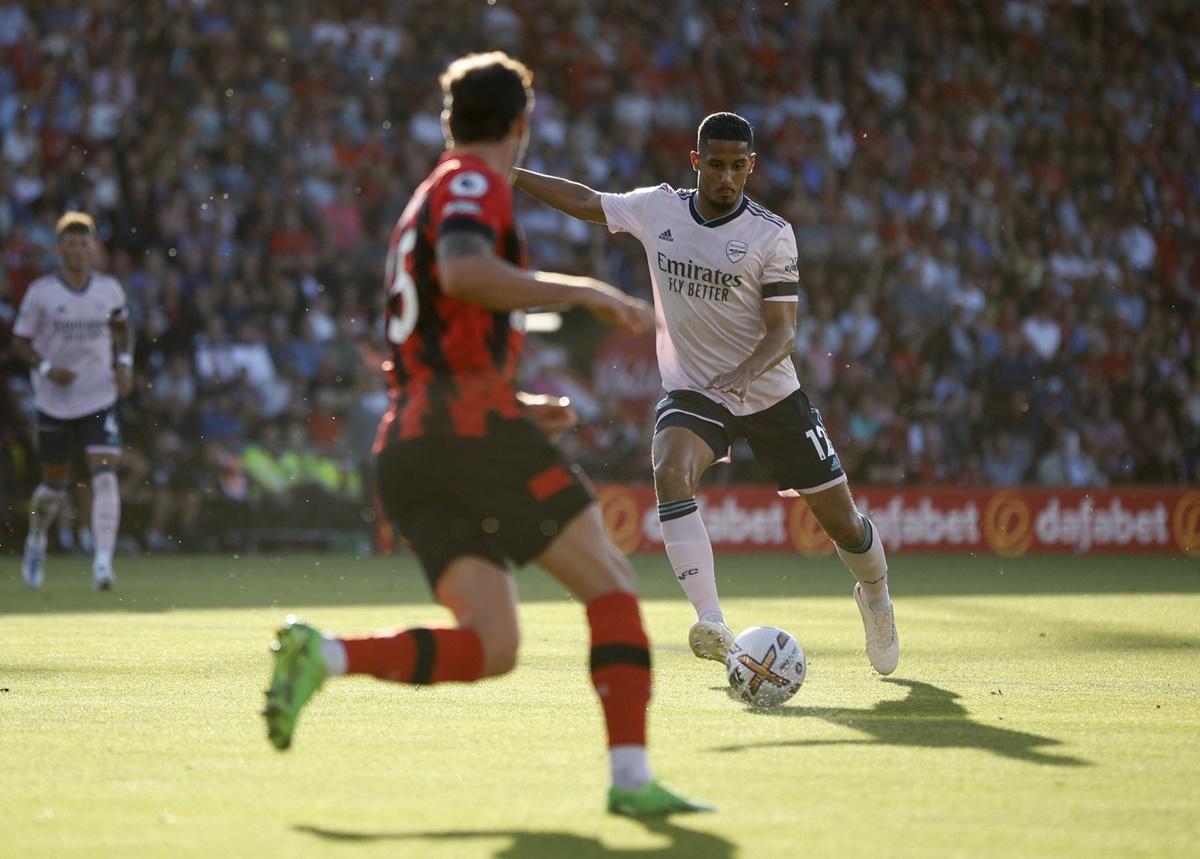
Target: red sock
<point>421,656</point>
<point>620,663</point>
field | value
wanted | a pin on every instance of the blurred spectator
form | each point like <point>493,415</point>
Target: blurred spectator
<point>1005,461</point>
<point>1067,464</point>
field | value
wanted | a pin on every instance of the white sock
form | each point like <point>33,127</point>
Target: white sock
<point>106,515</point>
<point>630,768</point>
<point>868,564</point>
<point>691,554</point>
<point>47,501</point>
<point>334,654</point>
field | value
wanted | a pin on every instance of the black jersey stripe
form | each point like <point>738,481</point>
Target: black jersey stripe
<point>756,209</point>
<point>497,338</point>
<point>754,204</point>
<point>431,328</point>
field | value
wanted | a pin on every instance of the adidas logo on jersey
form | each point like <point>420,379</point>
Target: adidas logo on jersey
<point>665,236</point>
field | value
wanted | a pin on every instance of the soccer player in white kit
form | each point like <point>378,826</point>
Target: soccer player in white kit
<point>73,329</point>
<point>726,282</point>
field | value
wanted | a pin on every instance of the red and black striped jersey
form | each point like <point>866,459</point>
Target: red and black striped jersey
<point>452,364</point>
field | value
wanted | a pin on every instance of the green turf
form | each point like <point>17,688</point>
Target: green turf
<point>1043,707</point>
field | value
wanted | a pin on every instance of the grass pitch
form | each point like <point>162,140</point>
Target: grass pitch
<point>1043,707</point>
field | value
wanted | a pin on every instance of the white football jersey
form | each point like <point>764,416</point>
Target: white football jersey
<point>709,279</point>
<point>70,329</point>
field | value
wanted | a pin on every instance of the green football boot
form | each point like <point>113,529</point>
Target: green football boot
<point>650,800</point>
<point>299,672</point>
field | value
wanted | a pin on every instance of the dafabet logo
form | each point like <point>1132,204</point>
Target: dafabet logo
<point>806,532</point>
<point>1185,523</point>
<point>622,517</point>
<point>1006,524</point>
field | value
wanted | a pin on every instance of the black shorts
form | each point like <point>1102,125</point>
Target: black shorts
<point>61,439</point>
<point>788,439</point>
<point>503,497</point>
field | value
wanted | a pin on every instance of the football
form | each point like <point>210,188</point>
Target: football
<point>766,666</point>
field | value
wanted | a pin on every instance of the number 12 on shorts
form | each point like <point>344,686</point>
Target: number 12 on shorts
<point>821,442</point>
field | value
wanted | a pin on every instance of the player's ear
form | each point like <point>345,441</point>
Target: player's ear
<point>520,126</point>
<point>446,127</point>
<point>750,168</point>
<point>695,156</point>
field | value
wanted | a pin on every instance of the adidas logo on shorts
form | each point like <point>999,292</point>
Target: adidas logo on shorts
<point>665,236</point>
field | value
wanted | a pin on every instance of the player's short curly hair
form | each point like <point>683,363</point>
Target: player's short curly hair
<point>75,222</point>
<point>484,94</point>
<point>724,126</point>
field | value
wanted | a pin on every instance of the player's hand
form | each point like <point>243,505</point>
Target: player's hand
<point>553,415</point>
<point>60,375</point>
<point>615,308</point>
<point>124,380</point>
<point>735,383</point>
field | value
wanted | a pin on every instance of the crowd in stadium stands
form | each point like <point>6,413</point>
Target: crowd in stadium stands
<point>997,207</point>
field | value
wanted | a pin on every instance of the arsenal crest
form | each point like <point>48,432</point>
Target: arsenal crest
<point>735,250</point>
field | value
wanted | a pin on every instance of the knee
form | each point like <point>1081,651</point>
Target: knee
<point>673,481</point>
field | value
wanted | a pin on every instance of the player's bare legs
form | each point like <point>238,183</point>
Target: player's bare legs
<point>585,561</point>
<point>861,551</point>
<point>591,567</point>
<point>106,514</point>
<point>45,505</point>
<point>483,598</point>
<point>680,458</point>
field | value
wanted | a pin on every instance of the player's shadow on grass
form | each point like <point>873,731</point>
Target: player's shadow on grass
<point>522,843</point>
<point>928,717</point>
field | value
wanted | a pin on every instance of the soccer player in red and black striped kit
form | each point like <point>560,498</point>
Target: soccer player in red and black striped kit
<point>465,468</point>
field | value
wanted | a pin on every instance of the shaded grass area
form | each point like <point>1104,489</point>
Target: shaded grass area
<point>1043,707</point>
<point>926,716</point>
<point>211,582</point>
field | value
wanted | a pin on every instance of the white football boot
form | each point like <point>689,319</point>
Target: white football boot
<point>103,578</point>
<point>883,643</point>
<point>33,564</point>
<point>710,638</point>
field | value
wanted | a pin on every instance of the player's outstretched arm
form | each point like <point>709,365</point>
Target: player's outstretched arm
<point>470,271</point>
<point>777,343</point>
<point>578,201</point>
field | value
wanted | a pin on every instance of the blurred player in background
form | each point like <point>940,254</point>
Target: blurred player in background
<point>726,280</point>
<point>464,470</point>
<point>73,329</point>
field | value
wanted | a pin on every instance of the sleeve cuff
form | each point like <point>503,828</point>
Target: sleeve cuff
<point>610,219</point>
<point>780,290</point>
